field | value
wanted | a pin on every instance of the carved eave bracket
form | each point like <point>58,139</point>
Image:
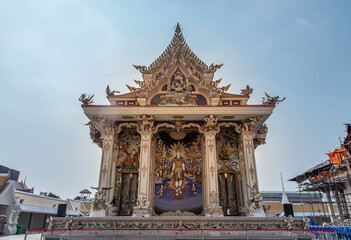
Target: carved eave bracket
<point>95,134</point>
<point>100,129</point>
<point>145,124</point>
<point>261,135</point>
<point>211,124</point>
<point>254,127</point>
<point>104,126</point>
<point>252,123</point>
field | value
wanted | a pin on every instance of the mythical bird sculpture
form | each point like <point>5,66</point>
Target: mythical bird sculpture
<point>247,91</point>
<point>86,99</point>
<point>109,92</point>
<point>272,100</point>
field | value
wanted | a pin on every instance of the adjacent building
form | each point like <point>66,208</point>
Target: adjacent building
<point>24,208</point>
<point>312,205</point>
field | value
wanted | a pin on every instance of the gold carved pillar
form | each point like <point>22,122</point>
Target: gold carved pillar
<point>144,200</point>
<point>211,200</point>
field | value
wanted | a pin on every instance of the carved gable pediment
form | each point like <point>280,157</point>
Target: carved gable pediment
<point>178,89</point>
<point>178,60</point>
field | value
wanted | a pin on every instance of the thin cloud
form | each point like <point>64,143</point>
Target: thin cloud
<point>301,21</point>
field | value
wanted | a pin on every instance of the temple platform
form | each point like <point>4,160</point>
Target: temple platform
<point>177,227</point>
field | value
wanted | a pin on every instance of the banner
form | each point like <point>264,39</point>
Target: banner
<point>337,156</point>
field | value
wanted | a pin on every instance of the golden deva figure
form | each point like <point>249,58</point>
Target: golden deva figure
<point>178,168</point>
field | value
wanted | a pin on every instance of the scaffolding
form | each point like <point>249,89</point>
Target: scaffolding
<point>333,182</point>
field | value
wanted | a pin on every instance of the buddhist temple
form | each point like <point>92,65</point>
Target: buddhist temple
<point>178,141</point>
<point>178,152</point>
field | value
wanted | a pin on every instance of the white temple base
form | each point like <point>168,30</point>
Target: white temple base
<point>10,229</point>
<point>258,213</point>
<point>179,234</point>
<point>182,227</point>
<point>98,213</point>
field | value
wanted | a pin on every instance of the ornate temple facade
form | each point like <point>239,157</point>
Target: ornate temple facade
<point>178,143</point>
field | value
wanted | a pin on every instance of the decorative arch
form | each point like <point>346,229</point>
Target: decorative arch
<point>119,126</point>
<point>165,79</point>
<point>174,126</point>
<point>164,88</point>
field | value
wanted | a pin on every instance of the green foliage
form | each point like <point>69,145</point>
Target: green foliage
<point>50,194</point>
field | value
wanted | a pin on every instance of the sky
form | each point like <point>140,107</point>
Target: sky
<point>53,51</point>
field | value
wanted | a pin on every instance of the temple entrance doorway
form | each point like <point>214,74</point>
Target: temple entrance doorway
<point>127,172</point>
<point>178,178</point>
<point>129,192</point>
<point>228,194</point>
<point>229,180</point>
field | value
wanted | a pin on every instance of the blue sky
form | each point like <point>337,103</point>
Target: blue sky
<point>52,51</point>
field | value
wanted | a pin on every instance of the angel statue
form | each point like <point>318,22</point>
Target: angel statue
<point>247,91</point>
<point>210,121</point>
<point>86,99</point>
<point>178,168</point>
<point>272,100</point>
<point>109,92</point>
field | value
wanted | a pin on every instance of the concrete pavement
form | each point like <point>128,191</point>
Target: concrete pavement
<point>21,237</point>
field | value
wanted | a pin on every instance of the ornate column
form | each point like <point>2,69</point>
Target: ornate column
<point>103,196</point>
<point>250,177</point>
<point>107,155</point>
<point>113,210</point>
<point>144,200</point>
<point>252,197</point>
<point>211,203</point>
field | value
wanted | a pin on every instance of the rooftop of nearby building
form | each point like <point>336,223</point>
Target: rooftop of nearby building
<point>14,174</point>
<point>85,191</point>
<point>293,196</point>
